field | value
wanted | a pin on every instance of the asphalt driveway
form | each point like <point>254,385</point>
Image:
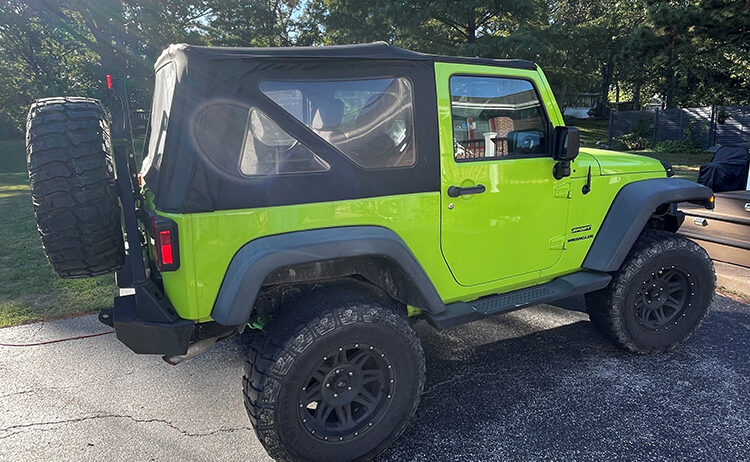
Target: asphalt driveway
<point>537,384</point>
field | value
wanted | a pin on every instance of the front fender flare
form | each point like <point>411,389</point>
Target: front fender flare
<point>629,213</point>
<point>256,259</point>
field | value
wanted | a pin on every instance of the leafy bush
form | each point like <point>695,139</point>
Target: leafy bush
<point>631,142</point>
<point>677,146</point>
<point>8,129</point>
<point>693,131</point>
<point>642,135</point>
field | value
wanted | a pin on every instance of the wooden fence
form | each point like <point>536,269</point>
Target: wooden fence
<point>709,126</point>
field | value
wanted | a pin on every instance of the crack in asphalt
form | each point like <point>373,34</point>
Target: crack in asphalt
<point>24,427</point>
<point>456,379</point>
<point>22,392</point>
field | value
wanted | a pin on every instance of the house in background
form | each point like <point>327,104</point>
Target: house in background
<point>656,103</point>
<point>580,104</point>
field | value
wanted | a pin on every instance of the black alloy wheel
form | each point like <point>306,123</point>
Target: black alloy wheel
<point>347,393</point>
<point>663,299</point>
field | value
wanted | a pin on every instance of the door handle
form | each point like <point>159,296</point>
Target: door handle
<point>456,191</point>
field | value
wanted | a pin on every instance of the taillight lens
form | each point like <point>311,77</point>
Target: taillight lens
<point>165,244</point>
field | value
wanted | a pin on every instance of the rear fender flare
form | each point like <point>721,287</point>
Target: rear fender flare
<point>258,258</point>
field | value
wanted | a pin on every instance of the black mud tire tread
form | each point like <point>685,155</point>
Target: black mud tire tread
<point>71,174</point>
<point>605,307</point>
<point>294,329</point>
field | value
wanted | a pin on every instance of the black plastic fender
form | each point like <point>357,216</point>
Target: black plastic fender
<point>629,213</point>
<point>258,258</point>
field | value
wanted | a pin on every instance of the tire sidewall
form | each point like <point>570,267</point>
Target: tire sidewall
<point>701,279</point>
<point>389,423</point>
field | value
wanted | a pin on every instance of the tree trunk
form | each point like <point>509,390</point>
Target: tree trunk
<point>471,29</point>
<point>637,91</point>
<point>607,70</point>
<point>671,76</point>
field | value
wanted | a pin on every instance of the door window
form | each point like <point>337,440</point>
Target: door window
<point>496,117</point>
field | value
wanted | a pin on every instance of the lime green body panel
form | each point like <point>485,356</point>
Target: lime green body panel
<point>215,238</point>
<point>527,228</point>
<point>619,163</point>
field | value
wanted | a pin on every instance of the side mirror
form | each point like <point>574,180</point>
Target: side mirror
<point>566,143</point>
<point>565,146</point>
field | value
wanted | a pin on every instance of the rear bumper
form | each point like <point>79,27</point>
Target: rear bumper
<point>147,324</point>
<point>147,337</point>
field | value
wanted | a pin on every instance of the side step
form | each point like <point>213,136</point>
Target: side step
<point>573,284</point>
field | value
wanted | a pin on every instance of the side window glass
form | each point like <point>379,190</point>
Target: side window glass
<point>269,150</point>
<point>495,117</point>
<point>370,121</point>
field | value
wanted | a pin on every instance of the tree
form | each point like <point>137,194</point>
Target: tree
<point>698,44</point>
<point>259,23</point>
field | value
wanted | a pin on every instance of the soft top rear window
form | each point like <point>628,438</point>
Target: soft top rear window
<point>166,79</point>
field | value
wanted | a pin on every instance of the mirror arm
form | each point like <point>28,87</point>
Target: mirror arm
<point>561,169</point>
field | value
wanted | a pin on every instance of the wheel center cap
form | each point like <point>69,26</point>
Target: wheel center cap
<point>655,296</point>
<point>341,384</point>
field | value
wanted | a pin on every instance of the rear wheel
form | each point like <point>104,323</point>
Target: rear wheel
<point>334,377</point>
<point>659,297</point>
<point>69,158</point>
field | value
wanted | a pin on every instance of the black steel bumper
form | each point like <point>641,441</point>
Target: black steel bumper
<point>146,322</point>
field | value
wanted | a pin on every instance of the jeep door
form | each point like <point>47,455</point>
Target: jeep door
<point>503,214</point>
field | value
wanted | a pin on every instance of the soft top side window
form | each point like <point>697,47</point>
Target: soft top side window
<point>371,121</point>
<point>269,150</point>
<point>496,117</point>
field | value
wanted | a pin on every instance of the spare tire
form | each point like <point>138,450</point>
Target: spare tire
<point>69,158</point>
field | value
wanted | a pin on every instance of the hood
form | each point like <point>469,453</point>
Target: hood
<point>617,163</point>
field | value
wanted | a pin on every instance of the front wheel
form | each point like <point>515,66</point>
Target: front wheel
<point>659,297</point>
<point>334,377</point>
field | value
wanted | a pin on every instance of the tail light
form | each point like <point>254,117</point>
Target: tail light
<point>166,243</point>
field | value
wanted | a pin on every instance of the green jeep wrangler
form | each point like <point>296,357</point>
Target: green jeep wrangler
<point>323,199</point>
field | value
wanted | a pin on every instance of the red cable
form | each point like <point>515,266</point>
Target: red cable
<point>56,341</point>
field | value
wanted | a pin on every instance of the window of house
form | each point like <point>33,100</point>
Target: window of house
<point>370,121</point>
<point>495,117</point>
<point>269,150</point>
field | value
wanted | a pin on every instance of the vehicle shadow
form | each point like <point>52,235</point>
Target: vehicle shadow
<point>511,388</point>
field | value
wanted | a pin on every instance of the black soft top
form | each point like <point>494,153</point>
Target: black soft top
<point>199,122</point>
<point>376,50</point>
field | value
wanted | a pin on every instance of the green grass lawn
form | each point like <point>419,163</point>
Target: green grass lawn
<point>29,288</point>
<point>590,130</point>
